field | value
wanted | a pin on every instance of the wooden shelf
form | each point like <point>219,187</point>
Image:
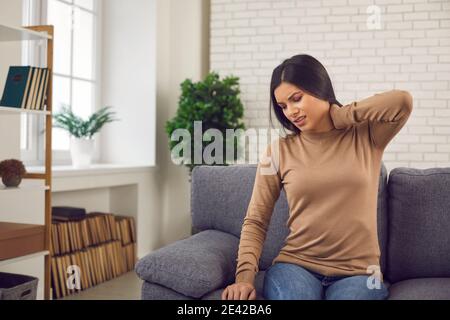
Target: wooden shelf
<point>18,239</point>
<point>10,110</point>
<point>9,33</point>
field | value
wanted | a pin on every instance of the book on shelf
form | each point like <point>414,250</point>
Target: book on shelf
<point>65,213</point>
<point>103,245</point>
<point>25,88</point>
<point>42,90</point>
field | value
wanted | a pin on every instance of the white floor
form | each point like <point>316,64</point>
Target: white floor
<point>125,287</point>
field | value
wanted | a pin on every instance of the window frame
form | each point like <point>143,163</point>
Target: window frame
<point>35,13</point>
<point>30,55</point>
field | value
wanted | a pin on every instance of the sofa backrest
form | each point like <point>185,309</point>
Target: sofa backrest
<point>220,196</point>
<point>419,223</point>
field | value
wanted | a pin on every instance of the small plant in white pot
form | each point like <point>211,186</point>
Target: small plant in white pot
<point>81,132</point>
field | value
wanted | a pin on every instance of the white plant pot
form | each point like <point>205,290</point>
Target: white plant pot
<point>81,151</point>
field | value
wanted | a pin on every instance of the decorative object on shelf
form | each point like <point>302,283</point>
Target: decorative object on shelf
<point>12,172</point>
<point>82,131</point>
<point>217,105</point>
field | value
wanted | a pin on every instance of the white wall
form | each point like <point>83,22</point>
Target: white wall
<point>183,52</point>
<point>128,80</point>
<point>10,14</point>
<point>411,51</point>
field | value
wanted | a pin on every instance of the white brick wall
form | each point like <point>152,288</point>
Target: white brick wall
<point>411,51</point>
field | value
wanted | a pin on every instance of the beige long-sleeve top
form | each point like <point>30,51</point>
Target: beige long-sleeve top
<point>331,182</point>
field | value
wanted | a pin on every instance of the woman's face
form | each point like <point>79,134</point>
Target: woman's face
<point>296,103</point>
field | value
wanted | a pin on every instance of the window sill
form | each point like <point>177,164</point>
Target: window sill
<point>59,171</point>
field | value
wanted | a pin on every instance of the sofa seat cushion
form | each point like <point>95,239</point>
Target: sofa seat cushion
<point>421,289</point>
<point>259,283</point>
<point>153,291</point>
<point>193,266</point>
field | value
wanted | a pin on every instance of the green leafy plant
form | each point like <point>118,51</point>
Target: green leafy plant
<point>80,128</point>
<point>216,104</point>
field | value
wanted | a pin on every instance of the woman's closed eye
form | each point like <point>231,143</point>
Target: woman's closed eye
<point>296,99</point>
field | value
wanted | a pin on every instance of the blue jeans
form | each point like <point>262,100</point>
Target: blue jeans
<point>287,281</point>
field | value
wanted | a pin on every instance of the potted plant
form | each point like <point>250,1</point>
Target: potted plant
<point>82,131</point>
<point>12,172</point>
<point>216,104</point>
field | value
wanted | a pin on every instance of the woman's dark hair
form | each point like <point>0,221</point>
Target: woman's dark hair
<point>307,73</point>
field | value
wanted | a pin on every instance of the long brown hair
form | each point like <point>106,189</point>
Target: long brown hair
<point>307,73</point>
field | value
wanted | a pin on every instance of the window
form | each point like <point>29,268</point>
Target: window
<point>75,68</point>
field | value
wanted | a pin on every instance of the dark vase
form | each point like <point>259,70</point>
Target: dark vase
<point>11,181</point>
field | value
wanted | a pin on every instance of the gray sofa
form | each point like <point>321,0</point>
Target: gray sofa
<point>413,229</point>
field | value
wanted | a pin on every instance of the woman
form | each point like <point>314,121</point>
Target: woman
<point>329,168</point>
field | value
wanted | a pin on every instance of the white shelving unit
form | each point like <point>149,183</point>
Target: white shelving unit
<point>11,33</point>
<point>30,203</point>
<point>8,110</point>
<point>22,258</point>
<point>26,184</point>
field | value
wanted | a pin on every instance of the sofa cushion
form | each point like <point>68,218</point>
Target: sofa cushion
<point>421,289</point>
<point>220,196</point>
<point>153,291</point>
<point>193,266</point>
<point>419,223</point>
<point>259,282</point>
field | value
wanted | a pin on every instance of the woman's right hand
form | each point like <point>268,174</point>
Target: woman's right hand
<point>239,291</point>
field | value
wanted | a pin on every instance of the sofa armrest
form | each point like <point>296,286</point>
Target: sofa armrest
<point>193,266</point>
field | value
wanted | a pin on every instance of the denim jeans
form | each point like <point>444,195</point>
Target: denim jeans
<point>287,281</point>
